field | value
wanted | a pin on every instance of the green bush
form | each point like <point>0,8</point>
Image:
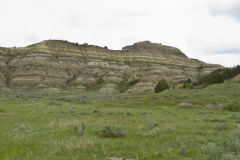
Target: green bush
<point>112,132</point>
<point>188,84</point>
<point>228,149</point>
<point>152,129</point>
<point>222,127</point>
<point>236,116</point>
<point>185,105</point>
<point>54,103</point>
<point>125,84</point>
<point>233,106</point>
<point>97,112</point>
<point>95,85</point>
<point>210,152</point>
<point>219,75</point>
<point>183,150</point>
<point>161,86</point>
<point>80,129</point>
<point>151,126</point>
<point>153,132</point>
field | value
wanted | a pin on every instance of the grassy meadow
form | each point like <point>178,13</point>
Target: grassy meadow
<point>38,125</point>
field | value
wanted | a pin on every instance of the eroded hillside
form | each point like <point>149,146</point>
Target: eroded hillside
<point>64,65</point>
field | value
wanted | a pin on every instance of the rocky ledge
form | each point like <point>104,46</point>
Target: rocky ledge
<point>56,64</point>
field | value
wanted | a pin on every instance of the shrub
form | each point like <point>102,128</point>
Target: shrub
<point>80,129</point>
<point>125,84</point>
<point>95,85</point>
<point>54,103</point>
<point>183,149</point>
<point>112,132</point>
<point>161,86</point>
<point>236,117</point>
<point>215,120</point>
<point>233,106</point>
<point>222,127</point>
<point>188,84</point>
<point>153,132</point>
<point>228,149</point>
<point>210,152</point>
<point>152,129</point>
<point>129,114</point>
<point>185,105</point>
<point>151,126</point>
<point>97,112</point>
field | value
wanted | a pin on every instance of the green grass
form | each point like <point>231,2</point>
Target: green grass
<point>40,125</point>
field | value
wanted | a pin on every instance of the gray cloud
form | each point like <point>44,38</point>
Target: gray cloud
<point>33,38</point>
<point>2,9</point>
<point>214,45</point>
<point>229,8</point>
<point>228,50</point>
<point>122,18</point>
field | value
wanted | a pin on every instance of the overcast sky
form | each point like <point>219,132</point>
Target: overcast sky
<point>205,29</point>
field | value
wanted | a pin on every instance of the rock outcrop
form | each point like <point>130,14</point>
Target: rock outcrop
<point>65,65</point>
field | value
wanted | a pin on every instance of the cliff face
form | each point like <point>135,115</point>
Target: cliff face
<point>64,65</point>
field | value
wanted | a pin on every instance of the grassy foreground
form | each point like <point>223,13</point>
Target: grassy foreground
<point>68,125</point>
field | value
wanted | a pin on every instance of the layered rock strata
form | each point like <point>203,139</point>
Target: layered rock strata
<point>65,65</point>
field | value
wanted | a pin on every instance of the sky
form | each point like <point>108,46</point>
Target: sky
<point>208,30</point>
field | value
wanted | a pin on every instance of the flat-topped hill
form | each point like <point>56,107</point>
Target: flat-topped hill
<point>64,65</point>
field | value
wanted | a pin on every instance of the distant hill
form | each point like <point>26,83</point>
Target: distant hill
<point>63,65</point>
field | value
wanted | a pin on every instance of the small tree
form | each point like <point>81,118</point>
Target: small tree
<point>233,106</point>
<point>188,84</point>
<point>161,86</point>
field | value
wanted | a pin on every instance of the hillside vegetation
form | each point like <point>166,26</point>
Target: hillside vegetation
<point>219,75</point>
<point>176,124</point>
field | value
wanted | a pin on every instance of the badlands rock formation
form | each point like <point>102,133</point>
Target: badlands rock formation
<point>64,65</point>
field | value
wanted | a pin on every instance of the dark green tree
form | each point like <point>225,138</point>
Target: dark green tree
<point>161,86</point>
